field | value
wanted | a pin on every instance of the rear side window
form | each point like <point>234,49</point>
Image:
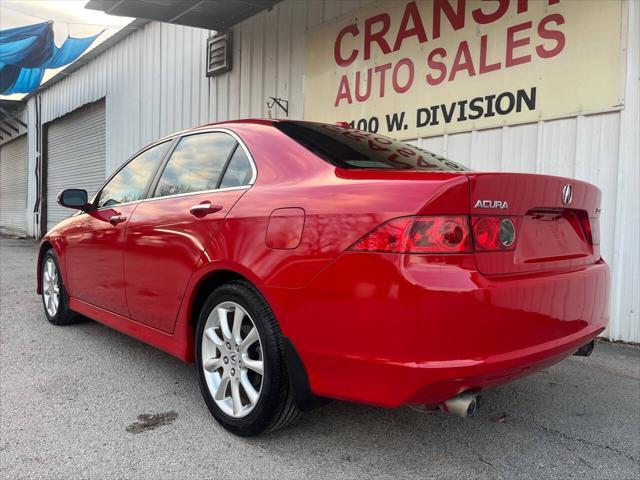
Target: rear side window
<point>351,148</point>
<point>196,164</point>
<point>130,183</point>
<point>239,171</point>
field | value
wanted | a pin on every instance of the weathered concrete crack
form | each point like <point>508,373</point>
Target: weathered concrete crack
<point>583,441</point>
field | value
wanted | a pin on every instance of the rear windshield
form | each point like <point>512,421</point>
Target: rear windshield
<point>351,148</point>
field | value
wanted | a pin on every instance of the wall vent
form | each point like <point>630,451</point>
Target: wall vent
<point>219,54</point>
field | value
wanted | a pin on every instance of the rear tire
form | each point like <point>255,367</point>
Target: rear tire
<point>230,353</point>
<point>54,294</point>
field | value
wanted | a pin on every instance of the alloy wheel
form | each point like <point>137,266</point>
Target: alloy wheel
<point>232,359</point>
<point>51,287</point>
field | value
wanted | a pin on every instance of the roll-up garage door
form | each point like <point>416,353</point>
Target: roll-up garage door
<point>76,156</point>
<point>13,187</point>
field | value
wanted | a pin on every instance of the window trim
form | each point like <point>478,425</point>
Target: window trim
<point>223,172</point>
<point>175,138</point>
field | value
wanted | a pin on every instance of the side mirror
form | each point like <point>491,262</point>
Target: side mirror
<point>74,198</point>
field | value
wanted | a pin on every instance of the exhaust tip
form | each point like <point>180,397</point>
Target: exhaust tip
<point>586,350</point>
<point>473,408</point>
<point>464,405</point>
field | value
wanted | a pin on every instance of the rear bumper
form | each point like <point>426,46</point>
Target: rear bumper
<point>392,329</point>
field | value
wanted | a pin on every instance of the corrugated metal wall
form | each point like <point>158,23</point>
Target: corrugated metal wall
<point>13,186</point>
<point>76,153</point>
<point>154,84</point>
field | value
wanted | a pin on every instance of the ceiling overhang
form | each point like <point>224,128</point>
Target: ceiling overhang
<point>210,14</point>
<point>11,122</point>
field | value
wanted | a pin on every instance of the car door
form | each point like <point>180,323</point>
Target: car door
<point>95,242</point>
<point>168,232</point>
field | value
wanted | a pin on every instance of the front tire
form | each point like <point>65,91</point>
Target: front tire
<point>240,362</point>
<point>54,295</point>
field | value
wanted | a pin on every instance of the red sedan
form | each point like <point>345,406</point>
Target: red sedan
<point>295,261</point>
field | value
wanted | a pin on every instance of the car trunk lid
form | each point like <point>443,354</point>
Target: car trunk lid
<point>556,220</point>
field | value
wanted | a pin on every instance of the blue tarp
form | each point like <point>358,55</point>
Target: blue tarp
<point>25,53</point>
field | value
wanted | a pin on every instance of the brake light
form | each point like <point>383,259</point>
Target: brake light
<point>494,233</point>
<point>443,234</point>
<point>591,228</point>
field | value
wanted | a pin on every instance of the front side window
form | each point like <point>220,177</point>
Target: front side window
<point>196,163</point>
<point>129,184</point>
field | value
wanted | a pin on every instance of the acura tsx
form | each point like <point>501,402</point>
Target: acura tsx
<point>297,261</point>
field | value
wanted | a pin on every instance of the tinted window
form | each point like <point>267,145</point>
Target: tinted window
<point>128,184</point>
<point>196,163</point>
<point>351,148</point>
<point>238,171</point>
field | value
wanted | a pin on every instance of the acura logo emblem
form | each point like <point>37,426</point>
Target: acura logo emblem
<point>567,194</point>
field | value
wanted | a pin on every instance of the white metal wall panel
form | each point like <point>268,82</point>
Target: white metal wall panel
<point>154,84</point>
<point>625,312</point>
<point>13,187</point>
<point>32,180</point>
<point>75,157</point>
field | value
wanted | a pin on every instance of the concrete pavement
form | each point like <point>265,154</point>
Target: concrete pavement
<point>87,402</point>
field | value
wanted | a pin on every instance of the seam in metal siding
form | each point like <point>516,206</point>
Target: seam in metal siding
<point>76,156</point>
<point>13,187</point>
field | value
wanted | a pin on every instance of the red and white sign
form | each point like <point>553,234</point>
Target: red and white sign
<point>420,68</point>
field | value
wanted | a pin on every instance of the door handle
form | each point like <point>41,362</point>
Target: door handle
<point>203,209</point>
<point>116,219</point>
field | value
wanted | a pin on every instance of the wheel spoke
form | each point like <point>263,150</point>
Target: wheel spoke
<point>238,316</point>
<point>251,392</point>
<point>255,365</point>
<point>224,323</point>
<point>221,392</point>
<point>235,396</point>
<point>213,364</point>
<point>211,335</point>
<point>249,340</point>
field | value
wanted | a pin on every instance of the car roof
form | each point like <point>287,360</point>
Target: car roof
<point>244,121</point>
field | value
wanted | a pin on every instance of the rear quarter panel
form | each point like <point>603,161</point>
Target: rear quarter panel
<point>340,206</point>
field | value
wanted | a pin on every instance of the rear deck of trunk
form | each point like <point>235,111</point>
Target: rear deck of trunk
<point>556,221</point>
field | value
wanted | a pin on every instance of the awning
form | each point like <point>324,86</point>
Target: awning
<point>210,14</point>
<point>25,53</point>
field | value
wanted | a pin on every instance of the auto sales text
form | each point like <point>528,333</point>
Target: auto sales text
<point>523,41</point>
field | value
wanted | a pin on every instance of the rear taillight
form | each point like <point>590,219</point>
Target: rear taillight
<point>590,228</point>
<point>494,233</point>
<point>442,234</point>
<point>594,230</point>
